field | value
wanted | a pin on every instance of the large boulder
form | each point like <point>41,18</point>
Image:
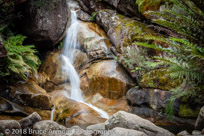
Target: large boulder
<point>199,125</point>
<point>10,128</point>
<point>28,122</point>
<point>28,94</point>
<point>154,98</point>
<point>123,32</point>
<point>94,40</point>
<point>131,121</point>
<point>45,22</point>
<point>70,112</point>
<point>107,78</point>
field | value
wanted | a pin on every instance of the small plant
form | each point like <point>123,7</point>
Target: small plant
<point>21,60</point>
<point>93,16</point>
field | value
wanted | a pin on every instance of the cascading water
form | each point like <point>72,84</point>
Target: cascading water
<point>68,54</point>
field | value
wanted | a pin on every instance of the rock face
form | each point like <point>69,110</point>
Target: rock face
<point>155,98</point>
<point>107,78</point>
<point>28,94</point>
<point>130,121</point>
<point>10,110</point>
<point>121,30</point>
<point>3,52</point>
<point>70,112</point>
<point>45,22</point>
<point>200,120</point>
<point>94,41</point>
<point>51,75</point>
<point>28,122</point>
<point>127,7</point>
<point>7,126</point>
<point>111,106</point>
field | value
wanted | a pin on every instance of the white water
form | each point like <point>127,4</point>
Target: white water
<point>70,45</point>
<point>52,113</point>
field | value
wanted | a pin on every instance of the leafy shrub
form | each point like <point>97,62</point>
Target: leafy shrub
<point>21,60</point>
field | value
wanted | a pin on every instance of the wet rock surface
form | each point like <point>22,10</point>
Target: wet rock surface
<point>28,94</point>
<point>70,112</point>
<point>107,78</point>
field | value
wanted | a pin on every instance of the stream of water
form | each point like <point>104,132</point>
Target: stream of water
<point>68,56</point>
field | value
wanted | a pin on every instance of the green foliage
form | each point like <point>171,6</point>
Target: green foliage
<point>185,61</point>
<point>93,16</point>
<point>137,60</point>
<point>184,17</point>
<point>21,60</point>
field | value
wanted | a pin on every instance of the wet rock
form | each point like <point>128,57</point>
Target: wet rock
<point>94,40</point>
<point>107,78</point>
<point>196,132</point>
<point>131,121</point>
<point>158,79</point>
<point>199,125</point>
<point>124,132</point>
<point>100,126</point>
<point>28,122</point>
<point>73,5</point>
<point>7,127</point>
<point>13,111</point>
<point>70,112</point>
<point>45,22</point>
<point>3,52</point>
<point>154,98</point>
<point>28,94</point>
<point>183,133</point>
<point>51,75</point>
<point>111,106</point>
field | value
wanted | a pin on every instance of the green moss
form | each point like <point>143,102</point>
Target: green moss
<point>186,111</point>
<point>158,79</point>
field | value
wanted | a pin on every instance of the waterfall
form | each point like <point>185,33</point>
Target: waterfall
<point>68,55</point>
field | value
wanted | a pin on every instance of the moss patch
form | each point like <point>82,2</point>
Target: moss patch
<point>187,112</point>
<point>158,79</point>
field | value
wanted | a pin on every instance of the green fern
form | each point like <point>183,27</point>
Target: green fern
<point>21,60</point>
<point>184,17</point>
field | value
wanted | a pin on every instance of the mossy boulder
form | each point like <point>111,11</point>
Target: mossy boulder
<point>158,79</point>
<point>188,112</point>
